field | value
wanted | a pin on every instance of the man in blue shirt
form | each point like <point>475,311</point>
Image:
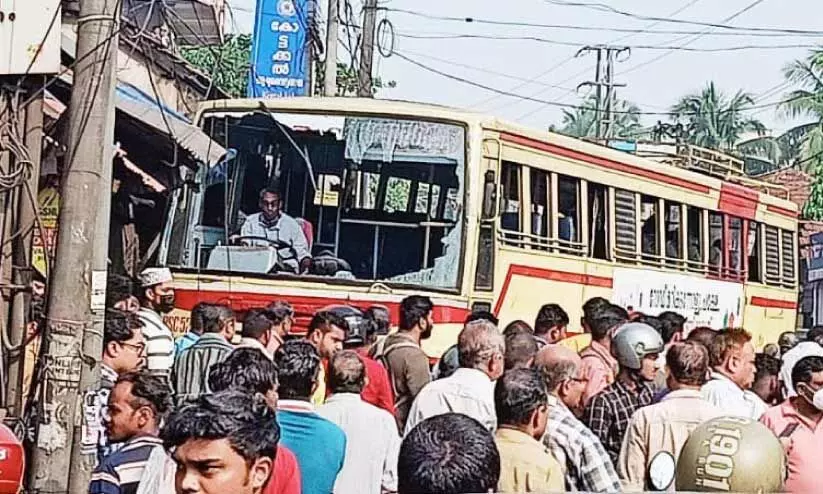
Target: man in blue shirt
<point>318,444</point>
<point>194,332</point>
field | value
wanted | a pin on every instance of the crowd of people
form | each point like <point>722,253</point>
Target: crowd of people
<point>349,408</point>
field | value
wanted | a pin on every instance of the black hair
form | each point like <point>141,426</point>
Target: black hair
<point>814,334</point>
<point>324,320</point>
<point>118,289</point>
<point>379,320</point>
<point>804,368</point>
<point>766,365</point>
<point>196,318</point>
<point>150,390</point>
<point>119,326</point>
<point>517,395</point>
<point>297,364</point>
<point>517,327</point>
<point>214,316</point>
<point>245,420</point>
<point>520,350</point>
<point>269,190</point>
<point>448,454</point>
<point>550,316</point>
<point>604,318</point>
<point>481,315</point>
<point>591,306</point>
<point>244,369</point>
<point>279,311</point>
<point>412,309</point>
<point>672,324</point>
<point>347,373</point>
<point>256,323</point>
<point>652,321</point>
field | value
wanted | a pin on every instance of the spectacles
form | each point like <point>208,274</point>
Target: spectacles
<point>138,348</point>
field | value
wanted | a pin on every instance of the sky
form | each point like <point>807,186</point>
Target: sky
<point>549,72</point>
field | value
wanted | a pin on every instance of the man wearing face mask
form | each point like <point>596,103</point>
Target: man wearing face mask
<point>797,423</point>
<point>157,298</point>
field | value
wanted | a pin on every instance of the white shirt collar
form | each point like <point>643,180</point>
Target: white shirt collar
<point>473,376</point>
<point>246,342</point>
<point>295,406</point>
<point>726,380</point>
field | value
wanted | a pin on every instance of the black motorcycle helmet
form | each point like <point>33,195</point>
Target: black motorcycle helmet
<point>358,326</point>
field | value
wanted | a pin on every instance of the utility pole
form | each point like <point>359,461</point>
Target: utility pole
<point>364,75</point>
<point>604,78</point>
<point>63,456</point>
<point>332,31</point>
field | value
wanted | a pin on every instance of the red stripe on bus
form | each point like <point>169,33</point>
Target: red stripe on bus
<point>548,274</point>
<point>304,306</point>
<point>605,163</point>
<point>781,211</point>
<point>738,201</point>
<point>772,303</point>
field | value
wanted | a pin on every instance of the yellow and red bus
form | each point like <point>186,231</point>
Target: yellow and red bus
<point>398,198</point>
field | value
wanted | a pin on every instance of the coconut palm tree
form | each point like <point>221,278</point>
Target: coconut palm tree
<point>807,101</point>
<point>582,122</point>
<point>715,120</point>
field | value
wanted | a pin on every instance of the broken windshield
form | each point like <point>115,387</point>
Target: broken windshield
<point>345,197</point>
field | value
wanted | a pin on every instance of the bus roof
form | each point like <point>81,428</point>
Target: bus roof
<point>529,137</point>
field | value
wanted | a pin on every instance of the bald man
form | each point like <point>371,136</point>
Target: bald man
<point>470,389</point>
<point>587,466</point>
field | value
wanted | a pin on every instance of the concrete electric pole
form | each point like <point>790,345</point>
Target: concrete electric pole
<point>64,456</point>
<point>332,31</point>
<point>364,75</point>
<point>604,78</point>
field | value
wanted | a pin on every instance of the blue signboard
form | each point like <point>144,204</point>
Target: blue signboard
<point>279,55</point>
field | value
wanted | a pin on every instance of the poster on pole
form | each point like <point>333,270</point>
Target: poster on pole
<point>42,248</point>
<point>716,304</point>
<point>280,58</point>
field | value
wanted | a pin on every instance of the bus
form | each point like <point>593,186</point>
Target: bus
<point>398,198</point>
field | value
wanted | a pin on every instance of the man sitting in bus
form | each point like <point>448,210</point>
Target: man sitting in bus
<point>285,233</point>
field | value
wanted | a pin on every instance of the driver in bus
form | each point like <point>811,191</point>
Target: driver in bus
<point>282,231</point>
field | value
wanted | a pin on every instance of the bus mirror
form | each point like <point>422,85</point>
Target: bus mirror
<point>489,195</point>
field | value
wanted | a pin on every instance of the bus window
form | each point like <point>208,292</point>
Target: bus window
<point>674,229</point>
<point>735,245</point>
<point>772,255</point>
<point>625,224</point>
<point>694,236</point>
<point>397,195</point>
<point>510,208</point>
<point>568,202</point>
<point>365,190</point>
<point>428,199</point>
<point>715,241</point>
<point>788,258</point>
<point>598,247</point>
<point>540,186</point>
<point>649,242</point>
<point>754,252</point>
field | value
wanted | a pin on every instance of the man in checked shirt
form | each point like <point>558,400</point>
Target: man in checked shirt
<point>636,347</point>
<point>586,466</point>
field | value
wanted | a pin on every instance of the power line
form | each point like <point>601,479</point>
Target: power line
<point>608,8</point>
<point>695,38</point>
<point>568,105</point>
<point>633,47</point>
<point>493,22</point>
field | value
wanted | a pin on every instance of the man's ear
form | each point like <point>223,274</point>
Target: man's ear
<point>260,473</point>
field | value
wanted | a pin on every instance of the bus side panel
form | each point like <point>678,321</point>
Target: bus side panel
<point>525,281</point>
<point>769,312</point>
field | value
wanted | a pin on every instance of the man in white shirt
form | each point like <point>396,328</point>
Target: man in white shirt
<point>732,358</point>
<point>260,332</point>
<point>372,442</point>
<point>156,298</point>
<point>470,390</point>
<point>273,224</point>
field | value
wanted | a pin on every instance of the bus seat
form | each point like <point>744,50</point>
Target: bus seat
<point>308,230</point>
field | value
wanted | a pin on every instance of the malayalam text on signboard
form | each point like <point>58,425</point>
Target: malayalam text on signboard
<point>279,55</point>
<point>703,302</point>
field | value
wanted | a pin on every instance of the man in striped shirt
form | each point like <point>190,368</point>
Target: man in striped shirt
<point>137,405</point>
<point>190,373</point>
<point>157,298</point>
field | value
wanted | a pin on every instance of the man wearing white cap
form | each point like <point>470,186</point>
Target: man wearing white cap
<point>157,298</point>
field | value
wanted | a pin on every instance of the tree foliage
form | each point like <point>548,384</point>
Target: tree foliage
<point>232,60</point>
<point>582,122</point>
<point>714,120</point>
